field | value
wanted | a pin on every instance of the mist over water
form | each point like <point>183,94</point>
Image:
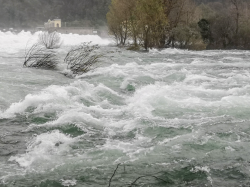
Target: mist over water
<point>181,116</point>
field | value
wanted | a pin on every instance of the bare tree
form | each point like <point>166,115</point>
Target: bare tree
<point>82,58</point>
<point>39,57</point>
<point>50,40</point>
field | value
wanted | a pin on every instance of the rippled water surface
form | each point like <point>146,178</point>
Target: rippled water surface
<point>172,117</point>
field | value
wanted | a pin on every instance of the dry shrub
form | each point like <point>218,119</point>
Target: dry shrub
<point>82,58</point>
<point>40,57</point>
<point>51,40</point>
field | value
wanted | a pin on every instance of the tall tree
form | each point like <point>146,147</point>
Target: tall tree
<point>118,19</point>
<point>152,22</point>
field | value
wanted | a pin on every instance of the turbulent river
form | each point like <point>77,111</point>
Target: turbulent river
<point>162,118</point>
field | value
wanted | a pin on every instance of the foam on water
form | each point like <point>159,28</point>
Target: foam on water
<point>76,39</point>
<point>180,98</point>
<point>39,102</point>
<point>58,98</point>
<point>201,53</point>
<point>43,149</point>
<point>11,43</point>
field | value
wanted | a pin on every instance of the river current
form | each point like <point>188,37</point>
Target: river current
<point>160,118</point>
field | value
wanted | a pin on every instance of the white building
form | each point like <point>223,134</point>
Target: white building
<point>53,23</point>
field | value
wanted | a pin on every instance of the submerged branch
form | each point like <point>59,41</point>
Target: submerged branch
<point>138,178</point>
<point>133,183</point>
<point>110,180</point>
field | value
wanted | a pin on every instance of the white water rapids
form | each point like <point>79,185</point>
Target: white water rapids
<point>180,116</point>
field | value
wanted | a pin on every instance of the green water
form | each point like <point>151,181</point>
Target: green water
<point>169,118</point>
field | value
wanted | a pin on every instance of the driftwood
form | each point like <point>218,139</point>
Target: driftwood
<point>51,40</point>
<point>39,57</point>
<point>82,58</point>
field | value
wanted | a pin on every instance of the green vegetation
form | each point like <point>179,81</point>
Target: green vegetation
<point>189,24</point>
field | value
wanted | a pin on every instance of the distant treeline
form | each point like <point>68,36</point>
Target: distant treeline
<point>192,24</point>
<point>32,13</point>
